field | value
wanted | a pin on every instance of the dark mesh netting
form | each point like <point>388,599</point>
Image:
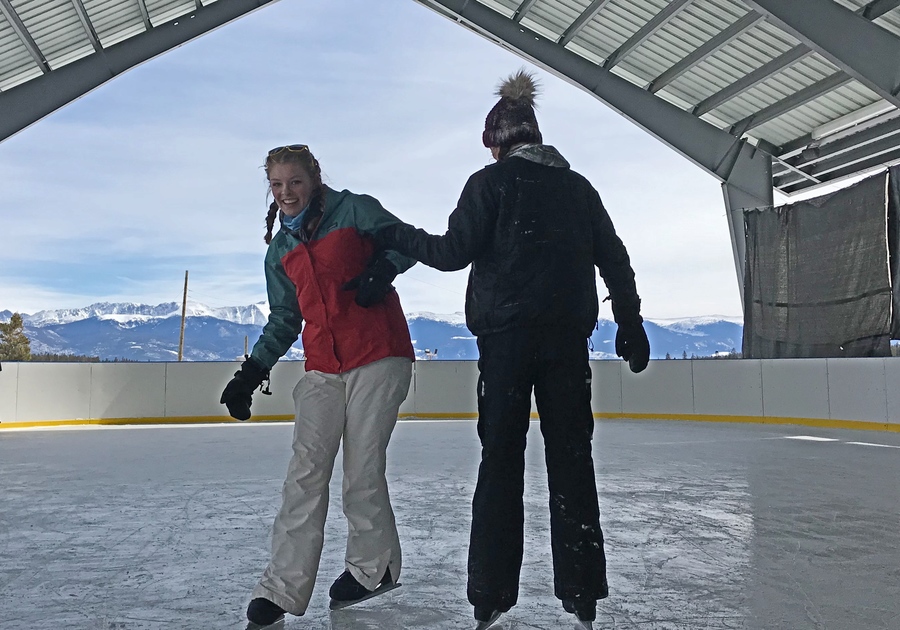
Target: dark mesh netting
<point>818,277</point>
<point>894,243</point>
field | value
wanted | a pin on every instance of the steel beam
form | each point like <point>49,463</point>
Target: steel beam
<point>825,165</point>
<point>865,51</point>
<point>872,11</point>
<point>751,79</point>
<point>736,29</point>
<point>714,150</point>
<point>798,151</point>
<point>87,25</point>
<point>24,36</point>
<point>582,20</point>
<point>887,157</point>
<point>877,8</point>
<point>523,10</point>
<point>788,168</point>
<point>645,32</point>
<point>28,102</point>
<point>754,191</point>
<point>795,100</point>
<point>145,15</point>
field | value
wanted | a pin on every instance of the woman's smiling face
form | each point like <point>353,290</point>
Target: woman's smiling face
<point>291,186</point>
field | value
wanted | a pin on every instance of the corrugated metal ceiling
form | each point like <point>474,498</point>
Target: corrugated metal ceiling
<point>717,59</point>
<point>39,36</point>
<point>724,63</point>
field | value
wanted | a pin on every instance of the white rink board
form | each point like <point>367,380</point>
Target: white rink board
<point>826,389</point>
<point>892,376</point>
<point>193,391</point>
<point>856,389</point>
<point>52,391</point>
<point>9,374</point>
<point>128,390</point>
<point>446,387</point>
<point>715,392</point>
<point>606,386</point>
<point>795,388</point>
<point>665,387</point>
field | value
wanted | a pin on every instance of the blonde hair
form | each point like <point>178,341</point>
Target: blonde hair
<point>294,154</point>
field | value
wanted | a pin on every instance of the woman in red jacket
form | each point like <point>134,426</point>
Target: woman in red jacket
<point>322,268</point>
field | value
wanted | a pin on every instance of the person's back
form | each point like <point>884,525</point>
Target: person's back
<point>538,267</point>
<point>533,231</point>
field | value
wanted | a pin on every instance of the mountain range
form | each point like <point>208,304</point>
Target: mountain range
<point>141,332</point>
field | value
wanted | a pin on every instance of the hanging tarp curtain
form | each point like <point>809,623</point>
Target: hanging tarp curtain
<point>818,276</point>
<point>894,244</point>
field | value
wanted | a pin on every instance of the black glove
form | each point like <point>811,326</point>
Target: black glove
<point>374,283</point>
<point>237,395</point>
<point>632,345</point>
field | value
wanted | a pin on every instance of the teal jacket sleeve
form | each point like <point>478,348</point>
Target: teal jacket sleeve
<point>285,319</point>
<point>370,217</point>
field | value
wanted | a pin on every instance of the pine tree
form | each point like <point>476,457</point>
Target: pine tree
<point>14,345</point>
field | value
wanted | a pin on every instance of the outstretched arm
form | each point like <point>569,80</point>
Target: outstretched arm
<point>469,229</point>
<point>370,218</point>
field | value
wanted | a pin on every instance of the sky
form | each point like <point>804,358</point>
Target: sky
<point>113,197</point>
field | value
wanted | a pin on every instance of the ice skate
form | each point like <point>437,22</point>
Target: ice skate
<point>486,618</point>
<point>264,615</point>
<point>585,612</point>
<point>347,591</point>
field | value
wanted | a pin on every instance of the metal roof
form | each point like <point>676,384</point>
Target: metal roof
<point>738,65</point>
<point>54,51</point>
<point>708,77</point>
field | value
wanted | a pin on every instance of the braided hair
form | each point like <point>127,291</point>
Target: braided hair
<point>295,154</point>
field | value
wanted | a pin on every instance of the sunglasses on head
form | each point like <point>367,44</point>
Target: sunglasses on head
<point>291,148</point>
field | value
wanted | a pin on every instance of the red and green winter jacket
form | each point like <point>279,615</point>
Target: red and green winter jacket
<point>304,280</point>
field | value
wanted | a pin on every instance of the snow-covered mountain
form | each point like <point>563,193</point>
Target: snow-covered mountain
<point>124,312</point>
<point>142,332</point>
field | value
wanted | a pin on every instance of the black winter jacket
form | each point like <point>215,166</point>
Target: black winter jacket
<point>533,230</point>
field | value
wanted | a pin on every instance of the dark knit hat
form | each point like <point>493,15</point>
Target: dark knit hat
<point>512,120</point>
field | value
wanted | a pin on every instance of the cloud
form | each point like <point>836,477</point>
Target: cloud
<point>158,171</point>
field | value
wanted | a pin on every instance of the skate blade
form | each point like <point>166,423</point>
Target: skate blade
<point>278,625</point>
<point>584,625</point>
<point>335,604</point>
<point>484,625</point>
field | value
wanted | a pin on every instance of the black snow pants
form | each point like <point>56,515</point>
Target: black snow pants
<point>555,364</point>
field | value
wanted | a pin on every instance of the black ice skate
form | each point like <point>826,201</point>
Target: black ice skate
<point>486,618</point>
<point>347,591</point>
<point>263,614</point>
<point>585,612</point>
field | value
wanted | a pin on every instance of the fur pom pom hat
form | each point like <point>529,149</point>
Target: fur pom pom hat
<point>512,120</point>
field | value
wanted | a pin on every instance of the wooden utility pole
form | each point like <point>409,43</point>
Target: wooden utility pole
<point>183,315</point>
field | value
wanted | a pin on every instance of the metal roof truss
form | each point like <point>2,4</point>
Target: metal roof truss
<point>770,73</point>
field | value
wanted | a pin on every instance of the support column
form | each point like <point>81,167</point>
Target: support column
<point>750,186</point>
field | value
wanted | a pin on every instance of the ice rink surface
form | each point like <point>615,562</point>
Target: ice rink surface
<point>708,526</point>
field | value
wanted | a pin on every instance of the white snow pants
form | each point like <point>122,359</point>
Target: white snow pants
<point>361,406</point>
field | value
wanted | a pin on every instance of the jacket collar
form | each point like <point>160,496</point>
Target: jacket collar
<point>541,154</point>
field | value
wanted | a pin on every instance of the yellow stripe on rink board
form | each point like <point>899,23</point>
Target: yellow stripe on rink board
<point>440,416</point>
<point>182,420</point>
<point>808,422</point>
<point>141,421</point>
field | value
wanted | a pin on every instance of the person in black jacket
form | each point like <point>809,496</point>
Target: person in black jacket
<point>533,230</point>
